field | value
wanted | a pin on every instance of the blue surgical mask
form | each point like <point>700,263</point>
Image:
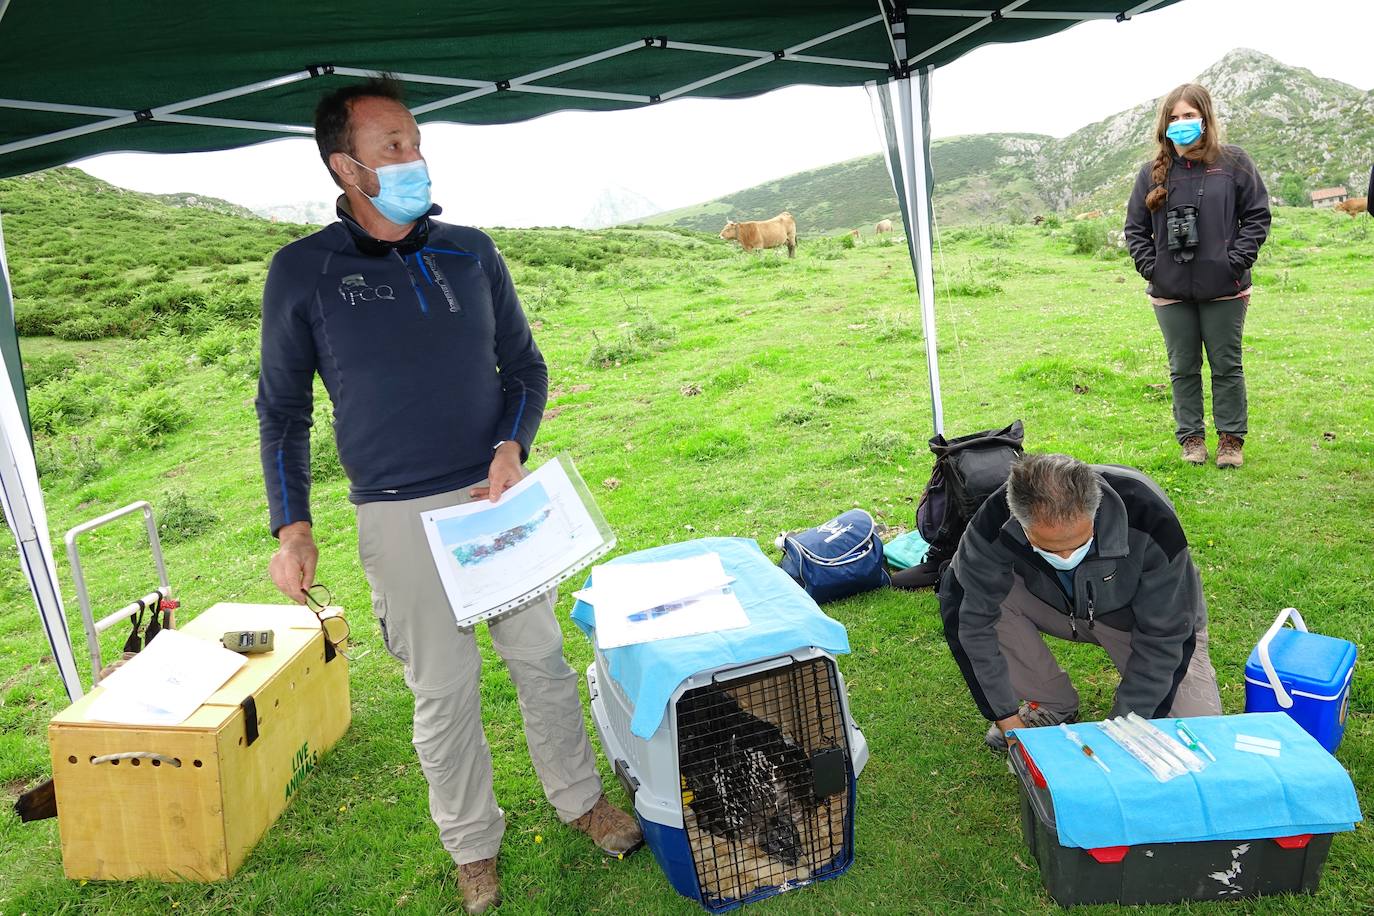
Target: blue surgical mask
<point>1185,133</point>
<point>403,194</point>
<point>1065,564</point>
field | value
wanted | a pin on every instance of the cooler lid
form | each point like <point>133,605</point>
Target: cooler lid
<point>1313,662</point>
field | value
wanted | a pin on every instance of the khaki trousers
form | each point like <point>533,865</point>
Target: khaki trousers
<point>443,670</point>
<point>1036,675</point>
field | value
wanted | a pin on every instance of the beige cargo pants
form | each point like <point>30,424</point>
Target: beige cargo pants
<point>443,670</point>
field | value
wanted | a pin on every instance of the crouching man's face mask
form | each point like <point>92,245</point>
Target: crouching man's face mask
<point>1065,564</point>
<point>403,194</point>
<point>1064,544</point>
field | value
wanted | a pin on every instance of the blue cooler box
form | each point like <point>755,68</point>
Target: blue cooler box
<point>1304,674</point>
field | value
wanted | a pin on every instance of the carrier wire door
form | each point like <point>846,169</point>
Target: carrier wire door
<point>767,781</point>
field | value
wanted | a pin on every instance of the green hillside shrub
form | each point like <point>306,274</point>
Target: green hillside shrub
<point>180,518</point>
<point>65,403</point>
<point>1087,236</point>
<point>153,415</point>
<point>39,370</point>
<point>83,326</point>
<point>614,351</point>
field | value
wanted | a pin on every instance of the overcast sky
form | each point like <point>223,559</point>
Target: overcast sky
<point>550,170</point>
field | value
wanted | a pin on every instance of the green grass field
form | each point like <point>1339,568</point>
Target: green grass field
<point>702,391</point>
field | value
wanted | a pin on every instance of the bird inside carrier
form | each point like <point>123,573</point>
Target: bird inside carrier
<point>767,779</point>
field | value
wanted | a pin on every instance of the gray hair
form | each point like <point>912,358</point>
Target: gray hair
<point>1051,488</point>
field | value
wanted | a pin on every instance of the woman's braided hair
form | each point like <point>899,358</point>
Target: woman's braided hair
<point>1206,150</point>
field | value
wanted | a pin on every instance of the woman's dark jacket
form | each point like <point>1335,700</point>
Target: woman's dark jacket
<point>1232,223</point>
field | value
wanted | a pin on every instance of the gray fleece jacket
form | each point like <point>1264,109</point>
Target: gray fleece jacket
<point>1138,577</point>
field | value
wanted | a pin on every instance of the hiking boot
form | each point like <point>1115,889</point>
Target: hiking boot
<point>1035,716</point>
<point>1228,451</point>
<point>1195,450</point>
<point>480,884</point>
<point>613,831</point>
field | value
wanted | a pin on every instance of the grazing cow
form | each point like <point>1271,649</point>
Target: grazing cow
<point>1354,206</point>
<point>765,233</point>
<point>1091,214</point>
<point>854,234</point>
<point>1037,219</point>
<point>884,225</point>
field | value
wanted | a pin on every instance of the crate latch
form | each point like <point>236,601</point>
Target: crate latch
<point>828,772</point>
<point>250,720</point>
<point>1109,854</point>
<point>1298,841</point>
<point>627,779</point>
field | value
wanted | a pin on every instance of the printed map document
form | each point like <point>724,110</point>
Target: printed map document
<point>166,682</point>
<point>495,557</point>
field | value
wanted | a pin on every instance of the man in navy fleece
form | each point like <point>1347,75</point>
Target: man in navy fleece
<point>438,389</point>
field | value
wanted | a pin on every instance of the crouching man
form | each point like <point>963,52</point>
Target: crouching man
<point>1078,552</point>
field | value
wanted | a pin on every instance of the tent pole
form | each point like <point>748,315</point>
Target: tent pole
<point>915,126</point>
<point>23,503</point>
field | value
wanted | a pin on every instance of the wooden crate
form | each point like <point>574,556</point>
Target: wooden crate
<point>197,814</point>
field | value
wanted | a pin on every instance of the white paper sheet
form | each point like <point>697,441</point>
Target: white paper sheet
<point>492,557</point>
<point>644,602</point>
<point>710,612</point>
<point>629,587</point>
<point>166,682</point>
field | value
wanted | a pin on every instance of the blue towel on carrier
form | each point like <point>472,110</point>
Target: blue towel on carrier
<point>1242,796</point>
<point>782,618</point>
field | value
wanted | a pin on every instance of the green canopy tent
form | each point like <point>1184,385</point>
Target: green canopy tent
<point>79,78</point>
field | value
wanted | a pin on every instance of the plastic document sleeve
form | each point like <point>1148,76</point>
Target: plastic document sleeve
<point>496,557</point>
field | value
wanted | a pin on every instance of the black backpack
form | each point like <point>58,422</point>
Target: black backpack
<point>967,471</point>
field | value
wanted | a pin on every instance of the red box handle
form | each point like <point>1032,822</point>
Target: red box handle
<point>1036,776</point>
<point>1298,841</point>
<point>1109,854</point>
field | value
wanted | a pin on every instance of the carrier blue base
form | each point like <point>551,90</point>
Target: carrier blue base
<point>674,855</point>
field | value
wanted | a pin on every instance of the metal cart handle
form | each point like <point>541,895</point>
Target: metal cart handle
<point>95,627</point>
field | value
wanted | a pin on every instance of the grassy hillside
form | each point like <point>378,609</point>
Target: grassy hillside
<point>702,392</point>
<point>1304,132</point>
<point>823,201</point>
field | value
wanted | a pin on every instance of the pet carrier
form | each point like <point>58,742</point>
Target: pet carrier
<point>747,787</point>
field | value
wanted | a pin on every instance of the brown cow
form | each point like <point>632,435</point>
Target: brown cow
<point>884,225</point>
<point>854,234</point>
<point>1354,206</point>
<point>765,233</point>
<point>1091,214</point>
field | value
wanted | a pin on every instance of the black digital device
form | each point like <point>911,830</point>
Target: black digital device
<point>248,642</point>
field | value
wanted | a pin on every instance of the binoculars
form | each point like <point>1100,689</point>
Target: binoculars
<point>1181,226</point>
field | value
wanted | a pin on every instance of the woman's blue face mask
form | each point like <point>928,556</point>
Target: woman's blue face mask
<point>1185,132</point>
<point>403,191</point>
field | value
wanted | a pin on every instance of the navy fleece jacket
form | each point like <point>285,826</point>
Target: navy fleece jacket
<point>423,348</point>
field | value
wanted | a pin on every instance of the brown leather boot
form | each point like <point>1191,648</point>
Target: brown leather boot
<point>480,884</point>
<point>1195,450</point>
<point>613,831</point>
<point>1228,451</point>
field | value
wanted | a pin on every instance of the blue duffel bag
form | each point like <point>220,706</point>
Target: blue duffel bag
<point>840,558</point>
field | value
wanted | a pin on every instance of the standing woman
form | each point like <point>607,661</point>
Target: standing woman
<point>1195,222</point>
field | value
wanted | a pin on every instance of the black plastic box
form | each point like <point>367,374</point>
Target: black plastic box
<point>1161,872</point>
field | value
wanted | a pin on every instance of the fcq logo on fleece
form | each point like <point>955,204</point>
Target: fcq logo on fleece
<point>354,289</point>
